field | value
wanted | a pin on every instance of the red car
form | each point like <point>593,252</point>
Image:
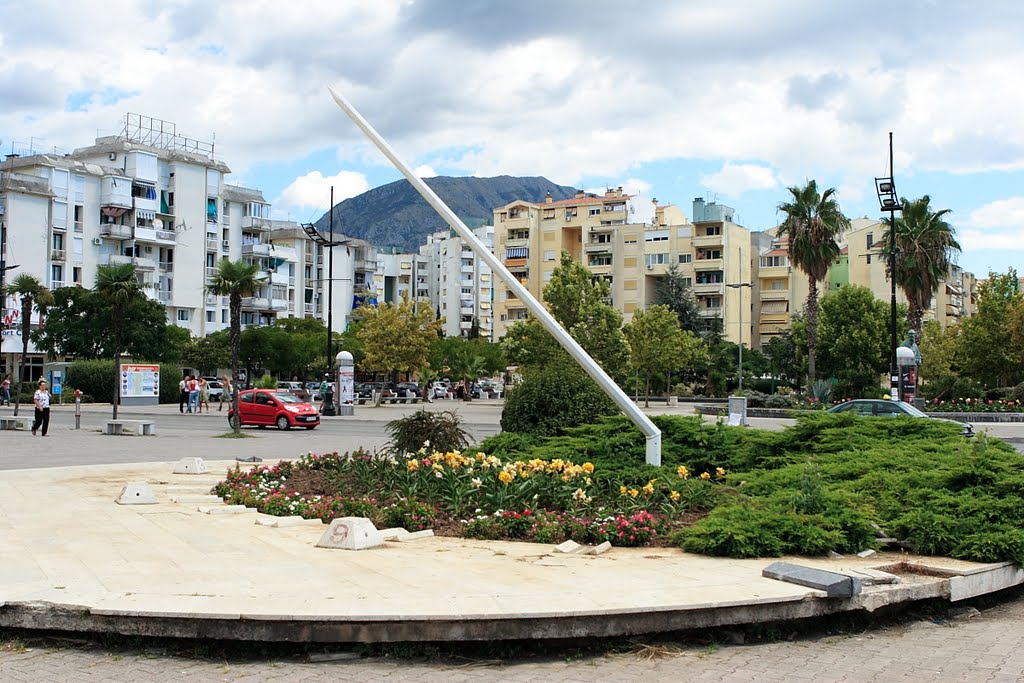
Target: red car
<point>262,407</point>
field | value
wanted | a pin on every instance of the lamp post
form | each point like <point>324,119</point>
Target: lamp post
<point>889,201</point>
<point>329,244</point>
<point>739,374</point>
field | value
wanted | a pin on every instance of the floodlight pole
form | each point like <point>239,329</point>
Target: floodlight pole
<point>650,431</point>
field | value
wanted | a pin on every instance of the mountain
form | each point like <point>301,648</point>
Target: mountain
<point>396,215</point>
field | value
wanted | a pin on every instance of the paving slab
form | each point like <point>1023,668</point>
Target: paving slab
<point>84,563</point>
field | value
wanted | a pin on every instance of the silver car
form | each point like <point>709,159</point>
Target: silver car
<point>878,407</point>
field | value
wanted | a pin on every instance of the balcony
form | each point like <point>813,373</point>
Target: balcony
<point>280,278</point>
<point>598,247</point>
<point>79,228</point>
<point>212,245</point>
<point>361,264</point>
<point>116,232</point>
<point>518,242</point>
<point>708,288</point>
<point>256,303</point>
<point>467,268</point>
<point>210,272</point>
<point>465,283</point>
<point>57,284</point>
<point>116,192</point>
<point>466,325</point>
<point>167,266</point>
<point>143,204</point>
<point>145,234</point>
<point>58,255</point>
<point>255,223</point>
<point>710,312</point>
<point>163,296</point>
<point>138,262</point>
<point>708,264</point>
<point>774,294</point>
<point>211,299</point>
<point>511,263</point>
<point>466,310</point>
<point>307,309</point>
<point>773,271</point>
<point>279,304</point>
<point>256,249</point>
<point>707,240</point>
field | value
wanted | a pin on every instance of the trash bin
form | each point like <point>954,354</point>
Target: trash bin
<point>673,400</point>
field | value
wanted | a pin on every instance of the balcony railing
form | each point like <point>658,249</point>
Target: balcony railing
<point>57,284</point>
<point>254,223</point>
<point>710,312</point>
<point>256,302</point>
<point>211,299</point>
<point>79,228</point>
<point>279,304</point>
<point>58,255</point>
<point>210,272</point>
<point>774,294</point>
<point>708,288</point>
<point>115,231</point>
<point>163,296</point>
<point>307,309</point>
<point>598,247</point>
<point>167,266</point>
<point>255,249</point>
<point>707,240</point>
<point>212,245</point>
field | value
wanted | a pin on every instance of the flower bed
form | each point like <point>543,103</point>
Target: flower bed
<point>973,405</point>
<point>478,496</point>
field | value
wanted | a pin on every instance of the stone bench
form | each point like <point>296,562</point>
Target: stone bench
<point>140,427</point>
<point>13,423</point>
<point>400,399</point>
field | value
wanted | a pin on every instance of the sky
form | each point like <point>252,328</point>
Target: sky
<point>728,100</point>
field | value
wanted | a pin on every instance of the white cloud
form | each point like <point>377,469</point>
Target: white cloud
<point>996,226</point>
<point>733,180</point>
<point>425,171</point>
<point>313,191</point>
<point>1002,213</point>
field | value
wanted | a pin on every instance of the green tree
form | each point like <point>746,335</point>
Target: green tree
<point>985,349</point>
<point>466,359</point>
<point>813,225</point>
<point>206,354</point>
<point>235,280</point>
<point>657,344</point>
<point>34,294</point>
<point>119,285</point>
<point>925,245</point>
<point>854,333</point>
<point>783,361</point>
<point>397,337</point>
<point>527,344</point>
<point>673,291</point>
<point>177,338</point>
<point>938,350</point>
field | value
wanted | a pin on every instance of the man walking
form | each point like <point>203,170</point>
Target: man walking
<point>42,414</point>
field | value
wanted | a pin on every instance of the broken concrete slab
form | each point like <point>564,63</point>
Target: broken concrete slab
<point>225,509</point>
<point>394,533</point>
<point>567,547</point>
<point>833,584</point>
<point>351,533</point>
<point>190,466</point>
<point>866,553</point>
<point>870,577</point>
<point>284,522</point>
<point>415,535</point>
<point>136,493</point>
<point>600,549</point>
<point>207,498</point>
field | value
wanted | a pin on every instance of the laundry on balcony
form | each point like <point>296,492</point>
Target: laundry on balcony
<point>211,210</point>
<point>517,252</point>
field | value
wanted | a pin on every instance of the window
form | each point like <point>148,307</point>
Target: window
<point>774,261</point>
<point>686,258</point>
<point>227,209</point>
<point>570,213</point>
<point>601,260</point>
<point>713,302</point>
<point>684,232</point>
<point>224,316</point>
<point>58,241</point>
<point>549,214</point>
<point>709,254</point>
<point>595,211</point>
<point>656,236</point>
<point>713,230</point>
<point>688,282</point>
<point>870,240</point>
<point>76,275</point>
<point>211,316</point>
<point>869,259</point>
<point>651,260</point>
<point>549,255</point>
<point>184,315</point>
<point>466,290</point>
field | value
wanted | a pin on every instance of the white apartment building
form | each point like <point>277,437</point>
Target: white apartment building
<point>460,285</point>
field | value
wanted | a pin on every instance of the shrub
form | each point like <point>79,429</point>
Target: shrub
<point>755,399</point>
<point>778,401</point>
<point>553,398</point>
<point>950,388</point>
<point>266,382</point>
<point>410,514</point>
<point>95,378</point>
<point>440,431</point>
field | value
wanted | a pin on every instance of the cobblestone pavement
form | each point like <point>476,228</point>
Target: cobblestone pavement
<point>986,647</point>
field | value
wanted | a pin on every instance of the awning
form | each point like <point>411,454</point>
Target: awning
<point>113,211</point>
<point>145,215</point>
<point>517,252</point>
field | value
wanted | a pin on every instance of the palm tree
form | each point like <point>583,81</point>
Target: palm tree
<point>813,225</point>
<point>235,279</point>
<point>925,245</point>
<point>118,284</point>
<point>32,293</point>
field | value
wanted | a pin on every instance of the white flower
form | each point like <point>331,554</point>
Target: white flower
<point>477,483</point>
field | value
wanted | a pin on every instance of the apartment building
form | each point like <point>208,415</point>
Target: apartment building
<point>459,284</point>
<point>630,242</point>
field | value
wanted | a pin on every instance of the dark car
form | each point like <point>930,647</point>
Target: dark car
<point>878,407</point>
<point>264,407</point>
<point>407,389</point>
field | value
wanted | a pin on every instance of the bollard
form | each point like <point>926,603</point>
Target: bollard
<point>78,409</point>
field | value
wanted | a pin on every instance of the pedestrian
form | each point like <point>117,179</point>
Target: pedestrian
<point>182,393</point>
<point>204,395</point>
<point>5,391</point>
<point>323,392</point>
<point>225,394</point>
<point>42,416</point>
<point>460,390</point>
<point>193,394</point>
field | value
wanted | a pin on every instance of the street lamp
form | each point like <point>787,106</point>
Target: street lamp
<point>889,201</point>
<point>740,285</point>
<point>329,244</point>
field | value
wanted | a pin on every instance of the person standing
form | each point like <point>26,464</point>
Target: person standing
<point>42,416</point>
<point>193,394</point>
<point>225,393</point>
<point>5,391</point>
<point>323,393</point>
<point>204,395</point>
<point>182,393</point>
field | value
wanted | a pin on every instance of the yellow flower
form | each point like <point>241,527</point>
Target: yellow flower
<point>412,465</point>
<point>674,496</point>
<point>634,493</point>
<point>588,467</point>
<point>649,487</point>
<point>719,472</point>
<point>705,476</point>
<point>504,477</point>
<point>682,472</point>
<point>623,491</point>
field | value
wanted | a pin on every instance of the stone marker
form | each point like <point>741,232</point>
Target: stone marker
<point>567,547</point>
<point>870,577</point>
<point>351,533</point>
<point>190,466</point>
<point>866,553</point>
<point>415,535</point>
<point>394,533</point>
<point>136,493</point>
<point>835,585</point>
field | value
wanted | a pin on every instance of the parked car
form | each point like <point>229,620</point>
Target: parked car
<point>878,407</point>
<point>295,388</point>
<point>313,389</point>
<point>214,389</point>
<point>407,388</point>
<point>440,389</point>
<point>263,407</point>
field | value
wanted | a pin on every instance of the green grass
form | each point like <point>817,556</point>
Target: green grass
<point>232,435</point>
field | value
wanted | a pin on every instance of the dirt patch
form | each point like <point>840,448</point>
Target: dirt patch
<point>310,483</point>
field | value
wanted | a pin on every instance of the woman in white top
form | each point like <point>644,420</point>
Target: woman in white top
<point>42,400</point>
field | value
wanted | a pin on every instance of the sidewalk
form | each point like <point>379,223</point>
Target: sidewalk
<point>75,560</point>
